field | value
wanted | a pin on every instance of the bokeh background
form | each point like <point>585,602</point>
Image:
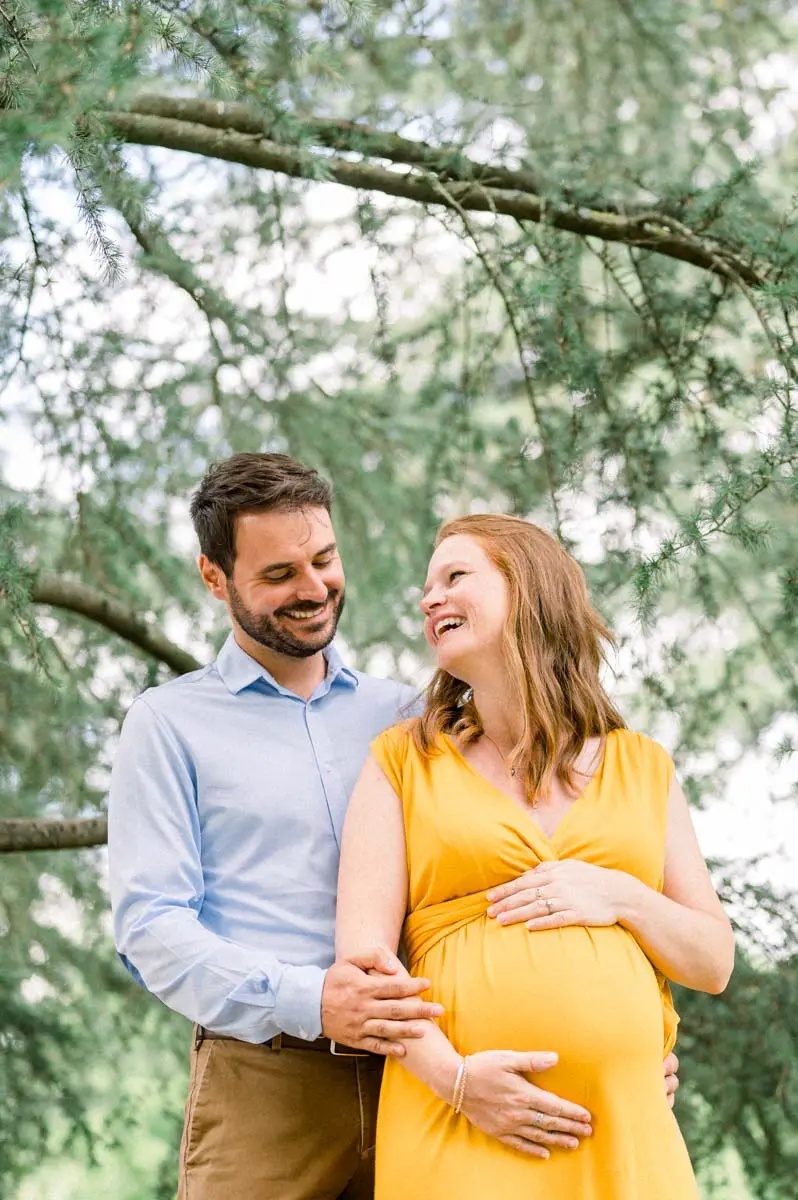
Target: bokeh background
<point>536,256</point>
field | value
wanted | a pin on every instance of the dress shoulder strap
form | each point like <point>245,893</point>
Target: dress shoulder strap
<point>647,758</point>
<point>391,750</point>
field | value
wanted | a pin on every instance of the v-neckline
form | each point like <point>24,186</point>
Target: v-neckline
<point>522,813</point>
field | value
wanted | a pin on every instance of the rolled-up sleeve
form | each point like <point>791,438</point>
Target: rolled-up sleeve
<point>156,881</point>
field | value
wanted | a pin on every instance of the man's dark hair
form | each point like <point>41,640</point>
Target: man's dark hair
<point>250,483</point>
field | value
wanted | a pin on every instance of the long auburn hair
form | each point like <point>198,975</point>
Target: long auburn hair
<point>554,644</point>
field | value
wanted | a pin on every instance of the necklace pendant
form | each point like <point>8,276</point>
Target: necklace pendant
<point>512,772</point>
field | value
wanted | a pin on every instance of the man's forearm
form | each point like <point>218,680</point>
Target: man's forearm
<point>228,987</point>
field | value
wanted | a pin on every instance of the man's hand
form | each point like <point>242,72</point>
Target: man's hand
<point>370,1001</point>
<point>568,892</point>
<point>501,1101</point>
<point>671,1067</point>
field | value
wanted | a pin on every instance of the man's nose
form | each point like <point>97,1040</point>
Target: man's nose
<point>312,587</point>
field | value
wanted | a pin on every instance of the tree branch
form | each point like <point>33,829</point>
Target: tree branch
<point>69,834</point>
<point>449,161</point>
<point>20,36</point>
<point>645,228</point>
<point>38,263</point>
<point>19,835</point>
<point>104,610</point>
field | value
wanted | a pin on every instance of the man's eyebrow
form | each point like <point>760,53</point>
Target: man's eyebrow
<point>283,566</point>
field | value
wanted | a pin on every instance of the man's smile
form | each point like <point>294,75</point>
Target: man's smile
<point>304,616</point>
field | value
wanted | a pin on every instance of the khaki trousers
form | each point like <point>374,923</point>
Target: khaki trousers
<point>292,1124</point>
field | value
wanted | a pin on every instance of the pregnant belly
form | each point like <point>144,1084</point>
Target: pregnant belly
<point>591,995</point>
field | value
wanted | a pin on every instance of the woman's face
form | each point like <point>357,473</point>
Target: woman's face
<point>466,604</point>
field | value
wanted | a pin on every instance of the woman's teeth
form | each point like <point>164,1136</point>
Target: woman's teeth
<point>445,625</point>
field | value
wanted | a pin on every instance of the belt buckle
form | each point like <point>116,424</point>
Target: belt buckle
<point>347,1053</point>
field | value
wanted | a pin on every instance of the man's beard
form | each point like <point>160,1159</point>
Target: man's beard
<point>266,632</point>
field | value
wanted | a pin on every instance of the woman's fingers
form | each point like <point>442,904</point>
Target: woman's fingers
<point>526,1147</point>
<point>559,1125</point>
<point>532,1134</point>
<point>512,906</point>
<point>512,903</point>
<point>549,1105</point>
<point>557,920</point>
<point>542,874</point>
<point>537,908</point>
<point>510,888</point>
<point>535,1141</point>
<point>522,898</point>
<point>513,916</point>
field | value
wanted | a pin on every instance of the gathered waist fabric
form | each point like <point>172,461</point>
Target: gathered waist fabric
<point>427,926</point>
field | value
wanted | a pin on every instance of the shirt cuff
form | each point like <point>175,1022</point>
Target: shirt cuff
<point>298,1007</point>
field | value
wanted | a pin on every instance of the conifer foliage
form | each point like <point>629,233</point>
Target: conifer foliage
<point>513,254</point>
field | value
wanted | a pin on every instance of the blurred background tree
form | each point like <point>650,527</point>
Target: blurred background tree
<point>531,256</point>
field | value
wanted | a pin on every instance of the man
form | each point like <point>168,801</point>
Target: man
<point>227,801</point>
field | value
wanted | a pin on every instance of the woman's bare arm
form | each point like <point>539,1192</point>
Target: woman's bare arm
<point>683,930</point>
<point>372,879</point>
<point>372,902</point>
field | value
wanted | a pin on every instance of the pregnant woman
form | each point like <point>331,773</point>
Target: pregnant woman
<point>539,862</point>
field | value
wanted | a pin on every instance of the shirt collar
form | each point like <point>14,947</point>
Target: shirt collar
<point>238,671</point>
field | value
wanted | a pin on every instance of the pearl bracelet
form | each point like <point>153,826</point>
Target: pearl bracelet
<point>460,1082</point>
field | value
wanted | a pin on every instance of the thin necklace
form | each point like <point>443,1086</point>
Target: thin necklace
<point>511,771</point>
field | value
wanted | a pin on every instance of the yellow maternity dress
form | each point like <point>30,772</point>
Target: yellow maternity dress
<point>590,994</point>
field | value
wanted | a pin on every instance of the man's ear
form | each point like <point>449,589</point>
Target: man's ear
<point>213,577</point>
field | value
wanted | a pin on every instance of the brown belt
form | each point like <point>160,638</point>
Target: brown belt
<point>286,1041</point>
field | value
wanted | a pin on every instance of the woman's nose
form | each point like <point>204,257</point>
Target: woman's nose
<point>433,599</point>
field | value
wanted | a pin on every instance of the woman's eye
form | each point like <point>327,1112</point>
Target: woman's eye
<point>455,574</point>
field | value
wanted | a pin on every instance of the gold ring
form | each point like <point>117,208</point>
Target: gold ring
<point>537,1120</point>
<point>550,906</point>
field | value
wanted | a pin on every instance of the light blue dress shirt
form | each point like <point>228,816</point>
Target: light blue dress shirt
<point>227,802</point>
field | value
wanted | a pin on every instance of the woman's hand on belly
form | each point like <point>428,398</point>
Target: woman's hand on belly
<point>568,892</point>
<point>500,1100</point>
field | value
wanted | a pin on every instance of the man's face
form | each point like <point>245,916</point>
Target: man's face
<point>287,588</point>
